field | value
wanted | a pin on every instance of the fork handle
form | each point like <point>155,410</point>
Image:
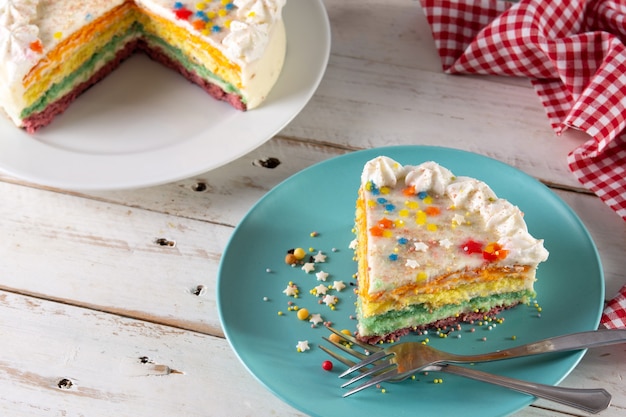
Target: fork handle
<point>591,400</point>
<point>575,341</point>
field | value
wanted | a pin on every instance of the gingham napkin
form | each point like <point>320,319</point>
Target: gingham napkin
<point>615,312</point>
<point>575,55</point>
<point>572,50</point>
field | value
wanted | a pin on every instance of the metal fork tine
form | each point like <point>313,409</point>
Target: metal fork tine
<point>334,355</point>
<point>370,372</point>
<point>347,349</point>
<point>374,381</point>
<point>368,361</point>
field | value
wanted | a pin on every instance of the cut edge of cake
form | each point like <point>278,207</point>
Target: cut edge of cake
<point>434,250</point>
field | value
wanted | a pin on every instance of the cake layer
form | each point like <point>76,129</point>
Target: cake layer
<point>391,326</point>
<point>457,292</point>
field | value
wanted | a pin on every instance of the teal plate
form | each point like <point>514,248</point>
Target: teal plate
<point>321,199</point>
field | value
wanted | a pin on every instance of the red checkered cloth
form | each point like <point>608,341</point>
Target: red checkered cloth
<point>575,55</point>
<point>615,311</point>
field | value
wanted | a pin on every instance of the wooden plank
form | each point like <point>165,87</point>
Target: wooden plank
<point>110,257</point>
<point>59,360</point>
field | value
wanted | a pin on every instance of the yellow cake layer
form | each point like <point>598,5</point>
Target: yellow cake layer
<point>442,297</point>
<point>74,51</point>
<point>193,46</point>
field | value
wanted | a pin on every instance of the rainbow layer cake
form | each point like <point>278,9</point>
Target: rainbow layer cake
<point>53,50</point>
<point>434,250</point>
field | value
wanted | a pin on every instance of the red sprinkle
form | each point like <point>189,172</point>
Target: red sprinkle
<point>183,13</point>
<point>327,365</point>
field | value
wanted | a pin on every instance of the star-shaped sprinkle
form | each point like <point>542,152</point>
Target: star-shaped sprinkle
<point>321,289</point>
<point>420,246</point>
<point>352,244</point>
<point>412,263</point>
<point>302,345</point>
<point>319,257</point>
<point>308,267</point>
<point>316,319</point>
<point>291,290</point>
<point>339,285</point>
<point>446,243</point>
<point>321,276</point>
<point>330,300</point>
<point>458,219</point>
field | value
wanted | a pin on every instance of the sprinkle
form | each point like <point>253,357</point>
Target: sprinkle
<point>58,35</point>
<point>216,29</point>
<point>182,13</point>
<point>303,345</point>
<point>199,24</point>
<point>265,299</point>
<point>314,234</point>
<point>393,257</point>
<point>36,46</point>
<point>319,257</point>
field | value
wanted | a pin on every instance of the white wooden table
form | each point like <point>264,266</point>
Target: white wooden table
<point>99,319</point>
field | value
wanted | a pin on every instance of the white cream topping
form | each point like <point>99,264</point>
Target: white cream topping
<point>382,171</point>
<point>429,176</point>
<point>17,33</point>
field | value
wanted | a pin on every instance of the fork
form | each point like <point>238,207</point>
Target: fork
<point>590,400</point>
<point>408,357</point>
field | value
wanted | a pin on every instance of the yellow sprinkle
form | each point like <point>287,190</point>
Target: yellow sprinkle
<point>383,390</point>
<point>403,213</point>
<point>252,14</point>
<point>413,205</point>
<point>428,200</point>
<point>58,35</point>
<point>421,276</point>
<point>210,14</point>
<point>431,227</point>
<point>385,190</point>
<point>222,12</point>
<point>280,313</point>
<point>200,5</point>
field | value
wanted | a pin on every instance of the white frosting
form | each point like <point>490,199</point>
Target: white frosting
<point>429,176</point>
<point>382,171</point>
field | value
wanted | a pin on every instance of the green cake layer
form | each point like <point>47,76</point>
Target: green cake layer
<point>420,316</point>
